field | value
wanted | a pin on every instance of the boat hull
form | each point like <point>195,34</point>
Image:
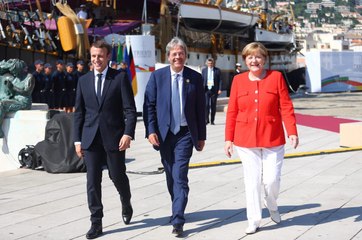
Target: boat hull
<point>210,18</point>
<point>273,39</point>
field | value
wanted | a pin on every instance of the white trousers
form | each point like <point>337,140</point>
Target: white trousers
<point>262,169</point>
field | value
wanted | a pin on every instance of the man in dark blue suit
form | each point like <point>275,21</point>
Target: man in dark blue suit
<point>174,117</point>
<point>213,86</point>
<point>104,125</point>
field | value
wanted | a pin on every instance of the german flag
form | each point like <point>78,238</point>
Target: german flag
<point>132,70</point>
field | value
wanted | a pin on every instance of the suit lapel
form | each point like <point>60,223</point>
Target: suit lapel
<point>185,87</point>
<point>167,89</point>
<point>93,87</point>
<point>106,85</point>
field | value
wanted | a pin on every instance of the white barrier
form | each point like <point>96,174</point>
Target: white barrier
<point>24,127</point>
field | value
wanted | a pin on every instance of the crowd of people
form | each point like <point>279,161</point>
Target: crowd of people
<point>56,86</point>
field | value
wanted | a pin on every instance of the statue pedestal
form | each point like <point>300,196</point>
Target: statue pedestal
<point>21,128</point>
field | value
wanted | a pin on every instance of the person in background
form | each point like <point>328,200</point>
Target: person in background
<point>80,69</point>
<point>48,88</point>
<point>237,71</point>
<point>212,83</point>
<point>39,81</point>
<point>82,12</point>
<point>90,66</point>
<point>104,124</point>
<point>114,65</point>
<point>174,118</point>
<point>123,66</point>
<point>259,104</point>
<point>59,90</point>
<point>70,86</point>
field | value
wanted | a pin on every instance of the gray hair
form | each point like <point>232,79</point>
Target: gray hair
<point>175,42</point>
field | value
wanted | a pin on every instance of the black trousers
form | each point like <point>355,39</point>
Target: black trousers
<point>210,99</point>
<point>96,157</point>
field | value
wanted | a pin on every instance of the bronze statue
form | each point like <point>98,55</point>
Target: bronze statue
<point>16,86</point>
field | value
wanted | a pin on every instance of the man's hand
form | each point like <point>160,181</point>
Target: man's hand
<point>79,151</point>
<point>125,142</point>
<point>200,145</point>
<point>153,139</point>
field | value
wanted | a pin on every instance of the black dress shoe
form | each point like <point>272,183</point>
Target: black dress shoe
<point>127,212</point>
<point>178,230</point>
<point>95,231</point>
<point>212,123</point>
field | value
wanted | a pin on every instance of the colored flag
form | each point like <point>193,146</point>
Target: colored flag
<point>114,53</point>
<point>120,53</point>
<point>126,59</point>
<point>132,70</point>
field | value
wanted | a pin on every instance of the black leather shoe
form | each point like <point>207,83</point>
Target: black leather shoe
<point>212,123</point>
<point>178,230</point>
<point>127,212</point>
<point>95,231</point>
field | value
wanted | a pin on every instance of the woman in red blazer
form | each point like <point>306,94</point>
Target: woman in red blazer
<point>259,104</point>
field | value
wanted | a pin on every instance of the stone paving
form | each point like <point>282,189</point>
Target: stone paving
<point>320,197</point>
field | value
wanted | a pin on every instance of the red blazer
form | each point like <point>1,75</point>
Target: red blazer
<point>256,111</point>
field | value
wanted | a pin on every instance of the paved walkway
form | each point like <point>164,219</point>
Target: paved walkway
<point>321,196</point>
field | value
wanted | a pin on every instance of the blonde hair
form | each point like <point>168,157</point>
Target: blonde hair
<point>252,48</point>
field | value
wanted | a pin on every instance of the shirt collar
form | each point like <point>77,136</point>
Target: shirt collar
<point>173,73</point>
<point>103,73</point>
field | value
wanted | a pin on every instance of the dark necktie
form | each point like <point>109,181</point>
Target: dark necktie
<point>99,87</point>
<point>176,106</point>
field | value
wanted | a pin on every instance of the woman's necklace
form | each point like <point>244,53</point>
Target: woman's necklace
<point>252,77</point>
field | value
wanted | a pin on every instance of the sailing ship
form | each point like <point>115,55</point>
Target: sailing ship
<point>31,30</point>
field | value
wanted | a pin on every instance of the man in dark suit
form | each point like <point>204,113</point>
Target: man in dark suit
<point>212,83</point>
<point>174,117</point>
<point>104,124</point>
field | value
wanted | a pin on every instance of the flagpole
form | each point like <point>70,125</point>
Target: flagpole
<point>144,12</point>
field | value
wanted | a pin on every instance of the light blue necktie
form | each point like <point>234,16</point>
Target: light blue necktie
<point>176,106</point>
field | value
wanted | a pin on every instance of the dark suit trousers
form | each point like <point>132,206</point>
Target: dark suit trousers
<point>95,158</point>
<point>210,99</point>
<point>176,152</point>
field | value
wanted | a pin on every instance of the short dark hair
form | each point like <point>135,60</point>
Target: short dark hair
<point>210,60</point>
<point>102,44</point>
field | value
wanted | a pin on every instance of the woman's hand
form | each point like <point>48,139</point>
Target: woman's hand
<point>228,148</point>
<point>294,140</point>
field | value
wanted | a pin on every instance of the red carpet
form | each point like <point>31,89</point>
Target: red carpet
<point>322,122</point>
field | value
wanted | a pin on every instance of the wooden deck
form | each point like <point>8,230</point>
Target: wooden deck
<point>321,197</point>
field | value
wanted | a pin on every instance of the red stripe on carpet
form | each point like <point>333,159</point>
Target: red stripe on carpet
<point>328,123</point>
